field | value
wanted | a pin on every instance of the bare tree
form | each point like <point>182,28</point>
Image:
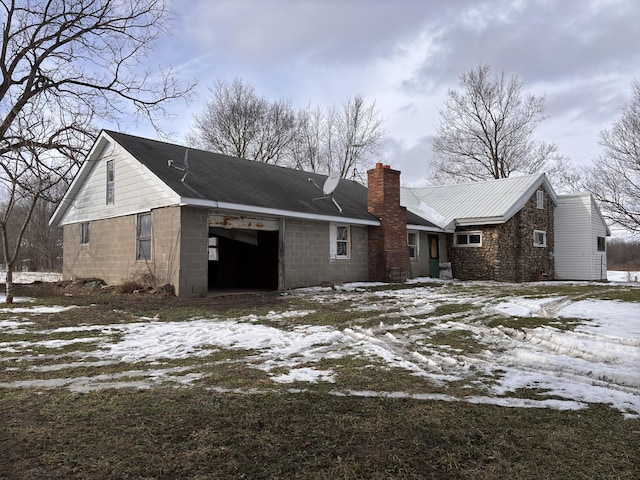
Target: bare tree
<point>353,133</point>
<point>42,244</point>
<point>65,64</point>
<point>307,149</point>
<point>486,131</point>
<point>614,179</point>
<point>237,122</point>
<point>338,139</point>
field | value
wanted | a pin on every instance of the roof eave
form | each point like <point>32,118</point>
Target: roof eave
<point>467,222</point>
<point>99,146</point>
<point>197,202</point>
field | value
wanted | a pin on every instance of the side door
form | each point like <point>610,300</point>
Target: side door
<point>434,256</point>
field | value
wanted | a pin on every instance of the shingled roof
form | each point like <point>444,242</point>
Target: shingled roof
<point>248,185</point>
<point>233,184</point>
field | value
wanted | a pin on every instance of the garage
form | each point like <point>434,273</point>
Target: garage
<point>243,253</point>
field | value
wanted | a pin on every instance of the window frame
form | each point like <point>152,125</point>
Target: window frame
<point>414,248</point>
<point>468,235</point>
<point>343,241</point>
<point>212,250</point>
<point>111,183</point>
<point>146,237</point>
<point>540,199</point>
<point>535,238</point>
<point>85,233</point>
<point>601,240</point>
<point>335,240</point>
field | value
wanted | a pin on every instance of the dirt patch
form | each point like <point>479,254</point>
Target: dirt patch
<point>95,293</point>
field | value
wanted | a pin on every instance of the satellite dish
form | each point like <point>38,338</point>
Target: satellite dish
<point>331,183</point>
<point>185,165</point>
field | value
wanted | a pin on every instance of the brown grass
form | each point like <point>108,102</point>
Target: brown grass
<point>201,432</point>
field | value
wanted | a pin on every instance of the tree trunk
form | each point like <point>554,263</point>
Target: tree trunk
<point>9,284</point>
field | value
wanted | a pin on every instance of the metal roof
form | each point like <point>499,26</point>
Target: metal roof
<point>477,203</point>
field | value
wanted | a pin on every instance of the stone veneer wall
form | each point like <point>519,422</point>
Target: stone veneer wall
<point>388,253</point>
<point>507,252</point>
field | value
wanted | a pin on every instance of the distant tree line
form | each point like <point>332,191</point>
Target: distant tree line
<point>623,254</point>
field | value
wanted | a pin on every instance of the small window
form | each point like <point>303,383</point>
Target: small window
<point>468,239</point>
<point>412,244</point>
<point>539,238</point>
<point>213,249</point>
<point>111,182</point>
<point>342,241</point>
<point>143,237</point>
<point>84,233</point>
<point>540,199</point>
<point>602,244</point>
<point>339,241</point>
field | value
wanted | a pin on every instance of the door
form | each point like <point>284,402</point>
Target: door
<point>434,256</point>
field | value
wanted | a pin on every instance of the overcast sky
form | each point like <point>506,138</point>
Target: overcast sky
<point>582,55</point>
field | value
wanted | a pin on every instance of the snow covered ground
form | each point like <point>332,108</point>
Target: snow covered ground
<point>521,342</point>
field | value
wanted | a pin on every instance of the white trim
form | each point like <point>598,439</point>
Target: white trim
<point>195,202</point>
<point>423,228</point>
<point>468,234</point>
<point>144,238</point>
<point>540,199</point>
<point>333,241</point>
<point>416,245</point>
<point>535,238</point>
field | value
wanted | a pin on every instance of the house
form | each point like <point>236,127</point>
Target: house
<point>498,229</point>
<point>581,231</point>
<point>142,209</point>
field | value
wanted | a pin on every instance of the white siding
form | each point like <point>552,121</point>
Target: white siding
<point>598,229</point>
<point>136,189</point>
<point>578,224</point>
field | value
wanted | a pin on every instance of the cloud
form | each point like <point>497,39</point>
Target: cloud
<point>406,54</point>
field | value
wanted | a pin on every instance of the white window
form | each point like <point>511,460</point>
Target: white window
<point>340,238</point>
<point>540,199</point>
<point>539,238</point>
<point>111,182</point>
<point>412,243</point>
<point>84,233</point>
<point>213,249</point>
<point>143,237</point>
<point>468,239</point>
<point>602,244</point>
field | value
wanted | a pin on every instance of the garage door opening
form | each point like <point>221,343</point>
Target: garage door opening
<point>243,259</point>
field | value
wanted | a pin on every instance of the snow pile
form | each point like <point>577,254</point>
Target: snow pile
<point>30,277</point>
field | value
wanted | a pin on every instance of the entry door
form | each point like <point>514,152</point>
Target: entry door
<point>434,256</point>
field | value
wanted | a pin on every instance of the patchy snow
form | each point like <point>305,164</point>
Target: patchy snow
<point>623,276</point>
<point>595,361</point>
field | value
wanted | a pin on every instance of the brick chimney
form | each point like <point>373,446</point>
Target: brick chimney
<point>388,252</point>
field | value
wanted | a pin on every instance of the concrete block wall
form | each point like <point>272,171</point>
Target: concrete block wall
<point>307,260</point>
<point>166,245</point>
<point>179,237</point>
<point>110,254</point>
<point>193,275</point>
